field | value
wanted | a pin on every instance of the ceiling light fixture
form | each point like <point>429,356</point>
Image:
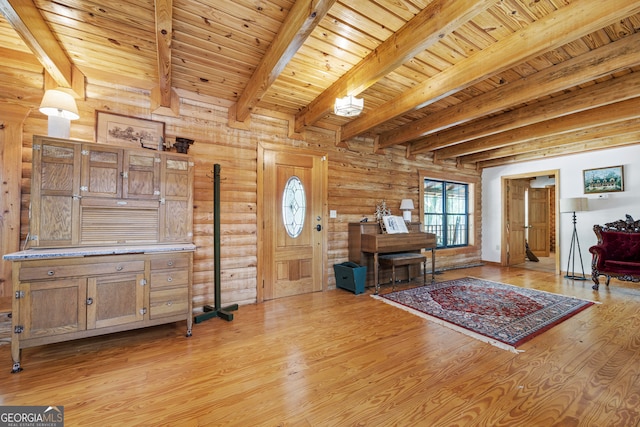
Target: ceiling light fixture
<point>348,106</point>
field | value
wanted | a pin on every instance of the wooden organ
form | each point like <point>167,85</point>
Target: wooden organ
<point>367,242</point>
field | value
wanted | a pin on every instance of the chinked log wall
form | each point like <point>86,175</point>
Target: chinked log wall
<point>358,179</point>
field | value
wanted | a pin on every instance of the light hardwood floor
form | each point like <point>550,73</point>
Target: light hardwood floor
<point>337,359</point>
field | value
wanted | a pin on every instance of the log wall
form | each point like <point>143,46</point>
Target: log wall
<point>358,180</point>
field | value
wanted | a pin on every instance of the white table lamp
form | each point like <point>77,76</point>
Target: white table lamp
<point>61,108</point>
<point>406,206</point>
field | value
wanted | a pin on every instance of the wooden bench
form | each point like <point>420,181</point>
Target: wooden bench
<point>404,259</point>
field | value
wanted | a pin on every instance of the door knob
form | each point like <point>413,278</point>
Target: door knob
<point>318,227</point>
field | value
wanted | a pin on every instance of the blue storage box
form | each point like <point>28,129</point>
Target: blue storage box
<point>350,276</point>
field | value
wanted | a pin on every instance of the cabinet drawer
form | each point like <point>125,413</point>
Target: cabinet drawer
<point>168,302</point>
<point>169,278</point>
<point>71,270</point>
<point>170,261</point>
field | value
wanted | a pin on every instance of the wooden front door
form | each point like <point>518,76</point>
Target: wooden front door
<point>516,221</point>
<point>538,231</point>
<point>293,238</point>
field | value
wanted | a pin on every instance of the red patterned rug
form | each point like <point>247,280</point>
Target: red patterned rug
<point>503,315</point>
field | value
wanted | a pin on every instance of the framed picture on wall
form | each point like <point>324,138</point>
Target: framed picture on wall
<point>604,180</point>
<point>127,131</point>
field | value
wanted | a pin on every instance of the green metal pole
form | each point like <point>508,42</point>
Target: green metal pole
<point>216,233</point>
<point>216,310</point>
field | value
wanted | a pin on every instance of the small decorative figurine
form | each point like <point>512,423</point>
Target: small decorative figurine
<point>382,210</point>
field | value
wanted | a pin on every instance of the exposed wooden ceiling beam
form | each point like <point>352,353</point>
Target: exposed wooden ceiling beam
<point>567,149</point>
<point>434,22</point>
<point>618,112</point>
<point>164,100</point>
<point>584,68</point>
<point>25,18</point>
<point>550,32</point>
<point>541,147</point>
<point>301,20</point>
<point>605,93</point>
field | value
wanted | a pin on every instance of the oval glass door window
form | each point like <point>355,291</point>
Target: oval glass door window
<point>294,206</point>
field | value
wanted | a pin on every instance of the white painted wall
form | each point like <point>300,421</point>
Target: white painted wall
<point>614,207</point>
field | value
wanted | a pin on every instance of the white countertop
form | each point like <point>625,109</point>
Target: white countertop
<point>79,251</point>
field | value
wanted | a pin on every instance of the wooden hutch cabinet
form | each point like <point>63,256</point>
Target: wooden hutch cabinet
<point>110,243</point>
<point>94,295</point>
<point>87,194</point>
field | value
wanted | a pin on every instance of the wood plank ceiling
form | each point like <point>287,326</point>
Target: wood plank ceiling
<point>485,82</point>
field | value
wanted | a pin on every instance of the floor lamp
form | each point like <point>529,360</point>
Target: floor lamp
<point>574,204</point>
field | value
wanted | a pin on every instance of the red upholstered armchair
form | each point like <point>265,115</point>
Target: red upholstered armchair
<point>617,253</point>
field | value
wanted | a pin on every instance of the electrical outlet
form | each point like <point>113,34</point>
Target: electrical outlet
<point>333,214</point>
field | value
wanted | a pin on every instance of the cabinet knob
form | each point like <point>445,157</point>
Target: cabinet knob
<point>89,301</point>
<point>169,303</point>
<point>50,273</point>
<point>119,268</point>
<point>169,279</point>
<point>170,263</point>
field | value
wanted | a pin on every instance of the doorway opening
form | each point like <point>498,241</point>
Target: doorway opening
<point>530,221</point>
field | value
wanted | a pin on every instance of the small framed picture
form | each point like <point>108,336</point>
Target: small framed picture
<point>604,180</point>
<point>127,131</point>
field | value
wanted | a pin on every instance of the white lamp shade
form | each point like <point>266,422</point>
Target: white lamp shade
<point>59,103</point>
<point>574,204</point>
<point>348,106</point>
<point>406,204</point>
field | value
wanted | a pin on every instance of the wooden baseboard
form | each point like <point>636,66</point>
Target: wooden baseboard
<point>492,263</point>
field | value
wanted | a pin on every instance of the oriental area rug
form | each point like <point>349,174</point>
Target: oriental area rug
<point>502,315</point>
